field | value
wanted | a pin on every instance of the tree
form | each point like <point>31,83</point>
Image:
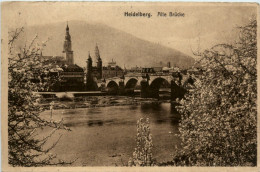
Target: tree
<point>24,120</point>
<point>218,125</point>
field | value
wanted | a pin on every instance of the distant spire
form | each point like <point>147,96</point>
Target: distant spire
<point>97,53</point>
<point>89,57</point>
<point>67,36</point>
<point>67,28</point>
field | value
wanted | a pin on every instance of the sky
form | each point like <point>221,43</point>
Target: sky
<point>203,25</point>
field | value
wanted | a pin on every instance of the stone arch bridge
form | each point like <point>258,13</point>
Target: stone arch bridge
<point>149,84</point>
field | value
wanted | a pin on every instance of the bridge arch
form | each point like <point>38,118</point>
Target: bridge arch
<point>112,87</point>
<point>167,78</point>
<point>127,78</point>
<point>131,83</point>
<point>158,82</point>
<point>116,80</point>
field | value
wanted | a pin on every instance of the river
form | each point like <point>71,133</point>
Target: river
<point>105,136</point>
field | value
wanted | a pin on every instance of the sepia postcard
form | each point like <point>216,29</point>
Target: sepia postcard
<point>129,86</point>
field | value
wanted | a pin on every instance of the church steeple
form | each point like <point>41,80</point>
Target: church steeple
<point>67,47</point>
<point>97,53</point>
<point>67,36</point>
<point>67,28</point>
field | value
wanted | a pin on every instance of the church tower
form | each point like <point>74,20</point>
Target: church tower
<point>67,49</point>
<point>99,62</point>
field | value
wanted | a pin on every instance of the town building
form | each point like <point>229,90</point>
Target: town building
<point>134,70</point>
<point>157,69</point>
<point>112,70</point>
<point>148,70</point>
<point>71,75</point>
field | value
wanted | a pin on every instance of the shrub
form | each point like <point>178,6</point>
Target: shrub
<point>142,155</point>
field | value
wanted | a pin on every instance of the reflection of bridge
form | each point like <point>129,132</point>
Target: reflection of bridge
<point>149,84</point>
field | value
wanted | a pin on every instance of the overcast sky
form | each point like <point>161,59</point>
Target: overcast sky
<point>202,26</point>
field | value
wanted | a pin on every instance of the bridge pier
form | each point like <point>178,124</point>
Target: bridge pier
<point>153,93</point>
<point>147,91</point>
<point>121,88</point>
<point>129,91</point>
<point>177,91</point>
<point>144,89</point>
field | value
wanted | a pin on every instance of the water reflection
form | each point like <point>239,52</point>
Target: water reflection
<point>176,116</point>
<point>161,112</point>
<point>95,122</point>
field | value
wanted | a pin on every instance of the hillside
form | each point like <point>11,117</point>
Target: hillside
<point>114,44</point>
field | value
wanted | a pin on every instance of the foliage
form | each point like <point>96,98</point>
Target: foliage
<point>25,147</point>
<point>142,155</point>
<point>218,125</point>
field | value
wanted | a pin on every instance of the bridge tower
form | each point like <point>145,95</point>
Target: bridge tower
<point>89,65</point>
<point>99,62</point>
<point>89,78</point>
